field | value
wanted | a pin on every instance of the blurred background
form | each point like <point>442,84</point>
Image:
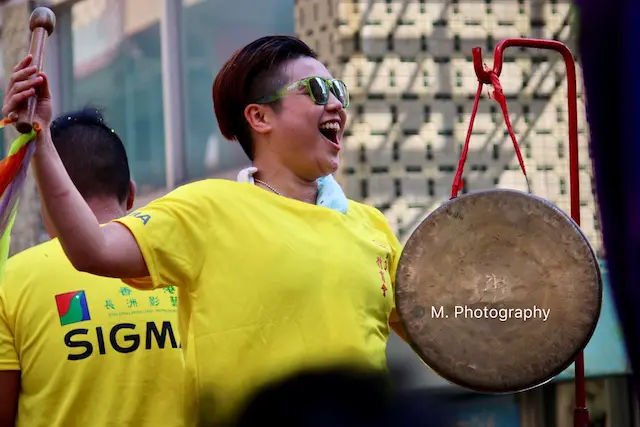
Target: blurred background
<point>150,64</point>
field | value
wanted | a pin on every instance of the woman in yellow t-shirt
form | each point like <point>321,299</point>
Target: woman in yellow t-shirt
<point>277,272</point>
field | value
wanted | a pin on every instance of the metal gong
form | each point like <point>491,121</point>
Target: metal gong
<point>498,291</point>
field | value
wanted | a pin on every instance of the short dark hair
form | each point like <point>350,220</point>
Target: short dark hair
<point>252,72</point>
<point>92,153</point>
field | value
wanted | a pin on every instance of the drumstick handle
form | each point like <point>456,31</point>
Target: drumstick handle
<point>41,23</point>
<point>25,119</point>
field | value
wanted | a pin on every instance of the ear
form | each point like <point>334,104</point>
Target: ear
<point>259,117</point>
<point>132,195</point>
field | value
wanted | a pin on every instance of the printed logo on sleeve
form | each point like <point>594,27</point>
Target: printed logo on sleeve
<point>145,218</point>
<point>72,307</point>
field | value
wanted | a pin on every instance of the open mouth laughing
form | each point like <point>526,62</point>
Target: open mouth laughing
<point>330,132</point>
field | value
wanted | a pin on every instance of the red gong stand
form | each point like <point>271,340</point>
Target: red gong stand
<point>491,77</point>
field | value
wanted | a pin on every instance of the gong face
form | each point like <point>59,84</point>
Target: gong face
<point>498,291</point>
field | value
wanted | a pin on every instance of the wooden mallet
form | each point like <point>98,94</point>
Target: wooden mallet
<point>42,22</point>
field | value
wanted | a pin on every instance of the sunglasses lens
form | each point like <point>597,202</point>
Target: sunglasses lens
<point>341,92</point>
<point>319,90</point>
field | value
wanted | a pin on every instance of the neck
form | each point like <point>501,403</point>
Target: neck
<point>106,210</point>
<point>287,183</point>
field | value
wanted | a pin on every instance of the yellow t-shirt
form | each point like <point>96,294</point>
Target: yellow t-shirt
<point>272,285</point>
<point>91,350</point>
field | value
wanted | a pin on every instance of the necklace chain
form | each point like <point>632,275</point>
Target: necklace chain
<point>268,186</point>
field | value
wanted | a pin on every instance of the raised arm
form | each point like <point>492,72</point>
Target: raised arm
<point>109,250</point>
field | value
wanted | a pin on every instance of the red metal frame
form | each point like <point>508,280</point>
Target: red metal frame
<point>581,413</point>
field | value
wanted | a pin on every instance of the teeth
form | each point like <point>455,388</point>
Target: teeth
<point>331,126</point>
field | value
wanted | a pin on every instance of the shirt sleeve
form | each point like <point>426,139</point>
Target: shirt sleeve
<point>170,232</point>
<point>9,360</point>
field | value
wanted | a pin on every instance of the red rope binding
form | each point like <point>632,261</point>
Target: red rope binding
<point>498,95</point>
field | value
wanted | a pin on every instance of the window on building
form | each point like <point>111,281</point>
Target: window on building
<point>559,78</point>
<point>363,154</point>
<point>133,106</point>
<point>490,43</point>
<point>364,188</point>
<point>525,79</point>
<point>395,151</point>
<point>397,184</point>
<point>457,43</point>
<point>493,111</point>
<point>423,43</point>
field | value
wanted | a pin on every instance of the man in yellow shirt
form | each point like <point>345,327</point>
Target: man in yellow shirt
<point>82,350</point>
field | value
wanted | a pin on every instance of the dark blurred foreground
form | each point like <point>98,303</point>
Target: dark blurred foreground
<point>607,44</point>
<point>341,397</point>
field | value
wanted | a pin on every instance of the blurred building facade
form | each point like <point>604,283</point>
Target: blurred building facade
<point>408,64</point>
<point>149,64</point>
<point>109,54</point>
